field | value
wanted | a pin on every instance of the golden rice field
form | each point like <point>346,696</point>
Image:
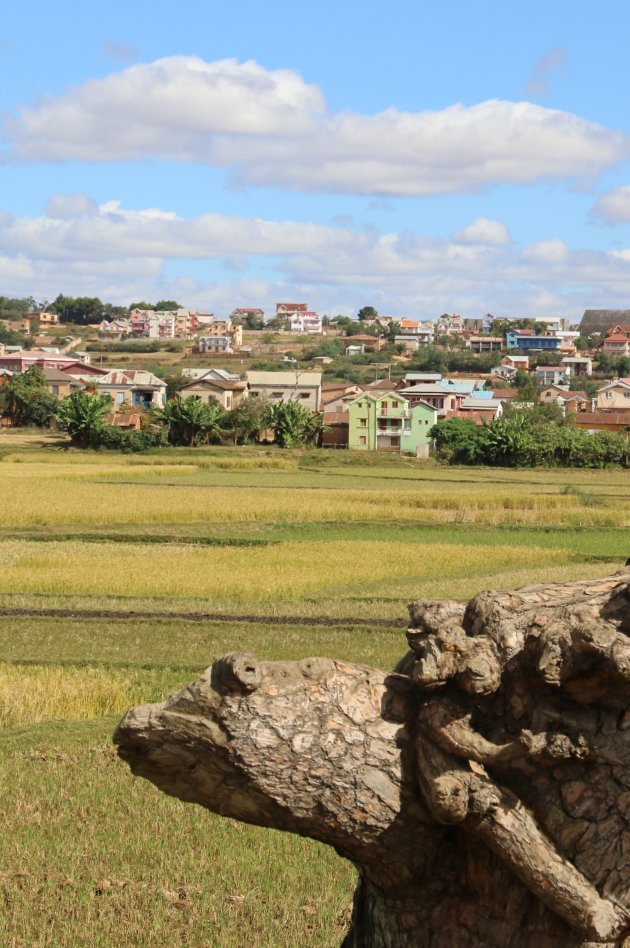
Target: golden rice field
<point>212,545</point>
<point>284,571</point>
<point>39,495</point>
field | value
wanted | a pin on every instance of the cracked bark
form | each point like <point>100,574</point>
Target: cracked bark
<point>482,790</point>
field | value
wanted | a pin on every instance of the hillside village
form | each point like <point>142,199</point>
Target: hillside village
<point>376,383</point>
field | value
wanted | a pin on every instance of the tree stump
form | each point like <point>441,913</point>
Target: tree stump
<point>482,789</point>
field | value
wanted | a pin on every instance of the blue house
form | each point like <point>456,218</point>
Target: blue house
<point>530,342</point>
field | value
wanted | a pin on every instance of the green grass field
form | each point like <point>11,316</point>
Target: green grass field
<point>122,578</point>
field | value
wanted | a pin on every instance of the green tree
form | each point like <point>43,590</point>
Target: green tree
<point>367,312</point>
<point>246,422</point>
<point>83,416</point>
<point>163,305</point>
<point>190,421</point>
<point>82,310</point>
<point>25,399</point>
<point>293,424</point>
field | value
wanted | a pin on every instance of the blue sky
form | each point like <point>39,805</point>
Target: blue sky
<point>470,157</point>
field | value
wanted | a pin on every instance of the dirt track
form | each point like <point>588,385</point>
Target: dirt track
<point>327,621</point>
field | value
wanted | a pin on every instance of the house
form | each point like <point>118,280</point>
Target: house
<point>163,324</point>
<point>417,378</point>
<point>307,322</point>
<point>46,320</point>
<point>422,331</point>
<point>337,396</point>
<point>552,374</point>
<point>439,397</point>
<point>336,428</point>
<point>409,343</point>
<point>302,387</point>
<point>505,372</point>
<point>617,341</point>
<point>211,374</point>
<point>242,312</point>
<point>529,341</point>
<point>135,387</point>
<point>614,395</point>
<point>228,394</point>
<point>382,322</point>
<point>481,344</point>
<point>520,362</point>
<point>61,384</point>
<point>364,339</point>
<point>221,336</point>
<point>603,420</point>
<point>115,329</point>
<point>215,345</point>
<point>19,360</point>
<point>490,407</point>
<point>449,324</point>
<point>130,421</point>
<point>578,365</point>
<point>389,422</point>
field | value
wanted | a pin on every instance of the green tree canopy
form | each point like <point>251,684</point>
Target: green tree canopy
<point>83,416</point>
<point>25,399</point>
<point>190,421</point>
<point>367,312</point>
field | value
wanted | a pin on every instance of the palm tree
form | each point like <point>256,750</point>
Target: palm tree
<point>83,415</point>
<point>191,421</point>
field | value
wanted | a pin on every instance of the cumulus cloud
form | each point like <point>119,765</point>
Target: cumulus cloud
<point>542,71</point>
<point>547,251</point>
<point>483,231</point>
<point>68,206</point>
<point>117,253</point>
<point>269,127</point>
<point>614,206</point>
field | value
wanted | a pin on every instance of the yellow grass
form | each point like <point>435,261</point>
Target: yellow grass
<point>29,694</point>
<point>285,571</point>
<point>35,495</point>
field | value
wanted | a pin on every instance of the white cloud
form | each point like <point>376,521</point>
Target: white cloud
<point>553,251</point>
<point>614,206</point>
<point>121,254</point>
<point>69,206</point>
<point>269,127</point>
<point>483,231</point>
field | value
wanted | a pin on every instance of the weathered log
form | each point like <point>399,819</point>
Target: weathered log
<point>482,790</point>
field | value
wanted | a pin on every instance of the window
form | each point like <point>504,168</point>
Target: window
<point>305,395</point>
<point>120,397</point>
<point>55,390</point>
<point>363,422</point>
<point>362,439</point>
<point>394,404</point>
<point>276,394</point>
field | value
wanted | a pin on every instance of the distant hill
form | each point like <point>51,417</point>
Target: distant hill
<point>601,320</point>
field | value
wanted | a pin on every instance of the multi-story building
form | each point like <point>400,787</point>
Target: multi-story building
<point>163,324</point>
<point>135,387</point>
<point>615,395</point>
<point>529,341</point>
<point>388,422</point>
<point>617,341</point>
<point>552,374</point>
<point>307,322</point>
<point>221,335</point>
<point>302,387</point>
<point>423,331</point>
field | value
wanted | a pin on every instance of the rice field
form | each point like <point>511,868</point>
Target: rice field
<point>121,578</point>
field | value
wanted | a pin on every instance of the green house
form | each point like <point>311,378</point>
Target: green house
<point>388,423</point>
